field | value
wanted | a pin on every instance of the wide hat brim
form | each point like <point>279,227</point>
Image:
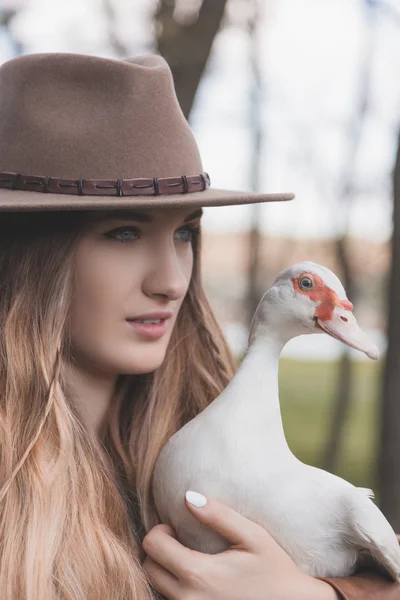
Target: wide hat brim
<point>87,124</point>
<point>20,200</point>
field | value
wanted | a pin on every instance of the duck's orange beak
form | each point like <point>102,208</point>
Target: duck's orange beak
<point>343,326</point>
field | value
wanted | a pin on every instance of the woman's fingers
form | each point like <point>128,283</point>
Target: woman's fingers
<point>254,556</point>
<point>234,527</point>
<point>161,579</point>
<point>189,567</point>
<point>161,545</point>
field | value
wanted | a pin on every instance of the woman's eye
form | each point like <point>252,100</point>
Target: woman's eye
<point>125,235</point>
<point>185,234</point>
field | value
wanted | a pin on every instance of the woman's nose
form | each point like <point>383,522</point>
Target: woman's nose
<point>169,276</point>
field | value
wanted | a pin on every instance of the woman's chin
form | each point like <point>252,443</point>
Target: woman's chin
<point>141,364</point>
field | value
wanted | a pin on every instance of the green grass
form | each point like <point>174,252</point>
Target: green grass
<point>307,392</point>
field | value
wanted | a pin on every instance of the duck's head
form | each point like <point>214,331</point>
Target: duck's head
<point>309,298</point>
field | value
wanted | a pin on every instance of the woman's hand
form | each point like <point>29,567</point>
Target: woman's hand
<point>254,567</point>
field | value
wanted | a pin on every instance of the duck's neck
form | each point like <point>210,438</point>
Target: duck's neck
<point>254,389</point>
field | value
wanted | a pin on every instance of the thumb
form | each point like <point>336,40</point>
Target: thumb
<point>234,527</point>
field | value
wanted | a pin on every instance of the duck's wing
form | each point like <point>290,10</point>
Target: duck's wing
<point>370,531</point>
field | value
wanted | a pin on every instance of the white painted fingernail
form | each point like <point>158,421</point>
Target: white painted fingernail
<point>198,500</point>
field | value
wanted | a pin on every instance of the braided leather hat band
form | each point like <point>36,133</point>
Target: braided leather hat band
<point>106,187</point>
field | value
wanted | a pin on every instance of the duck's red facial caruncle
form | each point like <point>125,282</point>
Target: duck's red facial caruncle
<point>332,314</point>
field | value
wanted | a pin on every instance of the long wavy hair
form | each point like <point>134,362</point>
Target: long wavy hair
<point>69,529</point>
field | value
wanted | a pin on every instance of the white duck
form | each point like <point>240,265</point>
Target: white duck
<point>235,450</point>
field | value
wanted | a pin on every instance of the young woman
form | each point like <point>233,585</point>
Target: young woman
<point>108,344</point>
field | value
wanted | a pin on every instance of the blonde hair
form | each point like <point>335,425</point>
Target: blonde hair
<point>68,529</point>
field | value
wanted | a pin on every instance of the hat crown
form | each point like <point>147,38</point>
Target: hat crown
<point>76,116</point>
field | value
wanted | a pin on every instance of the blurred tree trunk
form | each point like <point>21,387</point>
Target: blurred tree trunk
<point>389,458</point>
<point>343,391</point>
<point>342,403</point>
<point>186,47</point>
<point>116,44</point>
<point>7,14</point>
<point>253,292</point>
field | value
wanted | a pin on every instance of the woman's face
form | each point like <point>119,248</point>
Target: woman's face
<point>130,265</point>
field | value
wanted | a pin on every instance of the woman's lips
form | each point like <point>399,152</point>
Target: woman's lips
<point>150,330</point>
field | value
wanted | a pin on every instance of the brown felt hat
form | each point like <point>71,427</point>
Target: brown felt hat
<point>83,132</point>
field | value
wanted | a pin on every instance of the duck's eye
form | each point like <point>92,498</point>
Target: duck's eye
<point>306,283</point>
